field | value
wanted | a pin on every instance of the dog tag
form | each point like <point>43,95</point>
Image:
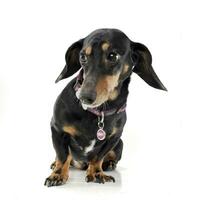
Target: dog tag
<point>101,134</point>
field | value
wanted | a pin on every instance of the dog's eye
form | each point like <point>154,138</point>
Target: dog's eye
<point>113,57</point>
<point>83,58</point>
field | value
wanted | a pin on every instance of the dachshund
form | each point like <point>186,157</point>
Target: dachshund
<point>90,113</point>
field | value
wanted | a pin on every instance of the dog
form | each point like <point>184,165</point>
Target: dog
<point>90,113</point>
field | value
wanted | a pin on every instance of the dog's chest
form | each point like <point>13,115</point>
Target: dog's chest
<point>90,138</point>
<point>88,142</point>
<point>82,149</point>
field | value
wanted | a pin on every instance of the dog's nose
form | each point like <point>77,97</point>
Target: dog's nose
<point>88,98</point>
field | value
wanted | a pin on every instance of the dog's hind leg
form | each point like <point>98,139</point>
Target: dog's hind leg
<point>112,157</point>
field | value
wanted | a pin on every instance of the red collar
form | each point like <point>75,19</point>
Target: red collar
<point>79,80</point>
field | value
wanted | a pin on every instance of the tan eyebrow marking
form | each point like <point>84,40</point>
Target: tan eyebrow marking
<point>88,50</point>
<point>105,46</point>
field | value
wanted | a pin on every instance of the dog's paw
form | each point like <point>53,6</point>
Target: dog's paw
<point>109,165</point>
<point>99,177</point>
<point>55,180</point>
<point>102,178</point>
<point>90,178</point>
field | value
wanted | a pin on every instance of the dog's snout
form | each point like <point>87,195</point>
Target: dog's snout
<point>88,97</point>
<point>88,93</point>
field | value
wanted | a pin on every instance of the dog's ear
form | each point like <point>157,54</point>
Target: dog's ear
<point>142,60</point>
<point>72,60</point>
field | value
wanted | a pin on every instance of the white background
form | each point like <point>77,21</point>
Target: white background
<point>161,138</point>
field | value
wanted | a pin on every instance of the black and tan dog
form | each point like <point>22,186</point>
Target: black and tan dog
<point>89,114</point>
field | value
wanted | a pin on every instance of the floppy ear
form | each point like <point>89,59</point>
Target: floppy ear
<point>72,61</point>
<point>142,60</point>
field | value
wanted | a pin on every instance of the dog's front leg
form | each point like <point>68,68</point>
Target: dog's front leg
<point>95,172</point>
<point>60,172</point>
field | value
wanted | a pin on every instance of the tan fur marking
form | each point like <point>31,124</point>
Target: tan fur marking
<point>88,50</point>
<point>113,95</point>
<point>95,172</point>
<point>125,68</point>
<point>112,81</point>
<point>93,167</point>
<point>114,131</point>
<point>70,130</point>
<point>58,165</point>
<point>110,155</point>
<point>105,86</point>
<point>105,46</point>
<point>63,169</point>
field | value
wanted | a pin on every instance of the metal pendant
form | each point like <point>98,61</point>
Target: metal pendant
<point>101,134</point>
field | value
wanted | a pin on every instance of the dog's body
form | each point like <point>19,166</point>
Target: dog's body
<point>89,114</point>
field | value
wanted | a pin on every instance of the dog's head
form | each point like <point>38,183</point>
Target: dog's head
<point>107,57</point>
